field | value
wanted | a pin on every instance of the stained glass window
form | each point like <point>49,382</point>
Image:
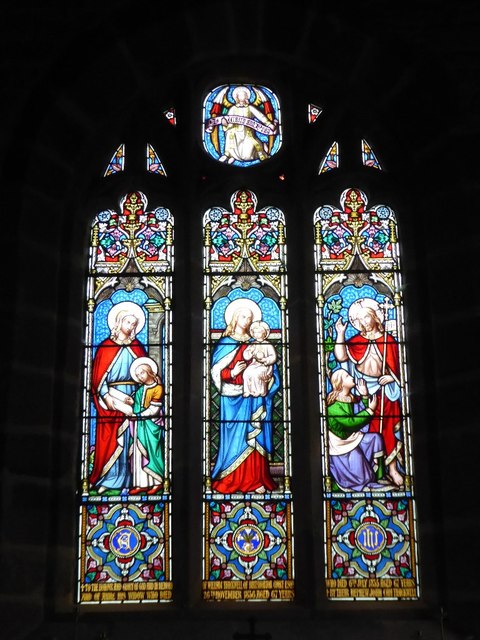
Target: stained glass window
<point>368,483</point>
<point>248,519</point>
<point>125,493</point>
<point>154,164</point>
<point>369,158</point>
<point>171,116</point>
<point>242,124</point>
<point>331,159</point>
<point>117,163</point>
<point>313,112</point>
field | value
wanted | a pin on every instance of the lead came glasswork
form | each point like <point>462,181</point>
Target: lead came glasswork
<point>331,160</point>
<point>154,164</point>
<point>241,124</point>
<point>248,516</point>
<point>369,158</point>
<point>125,494</point>
<point>117,162</point>
<point>313,113</point>
<point>368,484</point>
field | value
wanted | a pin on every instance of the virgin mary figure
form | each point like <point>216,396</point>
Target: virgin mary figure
<point>245,438</point>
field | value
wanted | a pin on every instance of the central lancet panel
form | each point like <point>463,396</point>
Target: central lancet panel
<point>248,519</point>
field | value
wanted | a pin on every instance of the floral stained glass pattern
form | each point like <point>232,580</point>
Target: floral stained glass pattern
<point>248,515</point>
<point>372,552</point>
<point>124,545</point>
<point>368,483</point>
<point>125,492</point>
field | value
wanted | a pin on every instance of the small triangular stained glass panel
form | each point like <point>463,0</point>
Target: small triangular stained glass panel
<point>331,159</point>
<point>171,116</point>
<point>369,159</point>
<point>154,164</point>
<point>117,163</point>
<point>313,112</point>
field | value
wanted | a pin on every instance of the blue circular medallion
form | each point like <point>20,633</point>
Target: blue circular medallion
<point>125,541</point>
<point>248,540</point>
<point>370,538</point>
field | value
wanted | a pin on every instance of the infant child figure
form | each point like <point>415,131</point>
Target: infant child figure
<point>260,356</point>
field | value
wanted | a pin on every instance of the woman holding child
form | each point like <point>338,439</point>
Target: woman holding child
<point>245,438</point>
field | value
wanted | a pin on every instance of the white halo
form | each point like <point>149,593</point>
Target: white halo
<point>363,303</point>
<point>139,361</point>
<point>132,309</point>
<point>263,324</point>
<point>244,303</point>
<point>241,87</point>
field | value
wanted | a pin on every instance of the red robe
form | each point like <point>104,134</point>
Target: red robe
<point>108,422</point>
<point>390,423</point>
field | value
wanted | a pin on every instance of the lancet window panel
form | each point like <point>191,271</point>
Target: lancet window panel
<point>125,492</point>
<point>368,478</point>
<point>247,498</point>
